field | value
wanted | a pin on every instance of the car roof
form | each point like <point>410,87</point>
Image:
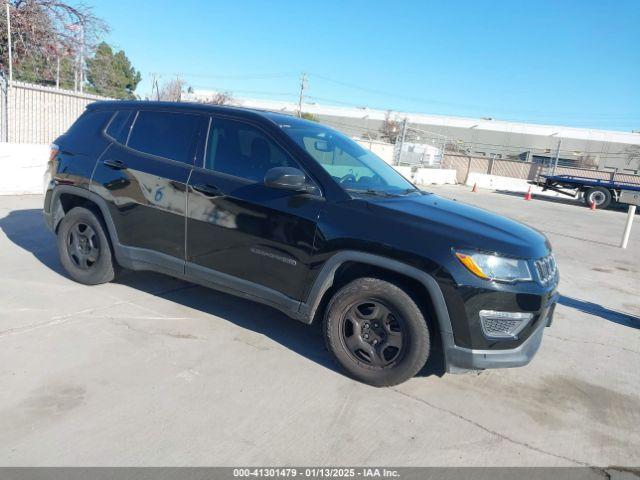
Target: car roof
<point>278,118</point>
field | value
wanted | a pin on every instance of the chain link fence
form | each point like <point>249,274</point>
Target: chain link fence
<point>419,148</point>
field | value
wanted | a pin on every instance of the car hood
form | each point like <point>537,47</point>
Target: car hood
<point>464,226</point>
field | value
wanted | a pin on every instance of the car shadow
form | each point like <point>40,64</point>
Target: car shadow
<point>600,311</point>
<point>27,230</point>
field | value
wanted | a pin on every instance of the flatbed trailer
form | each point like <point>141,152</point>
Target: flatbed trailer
<point>594,190</point>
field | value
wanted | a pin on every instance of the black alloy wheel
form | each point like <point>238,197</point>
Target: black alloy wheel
<point>83,245</point>
<point>84,248</point>
<point>376,332</point>
<point>373,333</point>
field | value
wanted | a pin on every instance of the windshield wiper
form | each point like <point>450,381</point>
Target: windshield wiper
<point>371,191</point>
<point>407,191</point>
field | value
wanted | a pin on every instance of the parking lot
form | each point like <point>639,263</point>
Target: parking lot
<point>150,370</point>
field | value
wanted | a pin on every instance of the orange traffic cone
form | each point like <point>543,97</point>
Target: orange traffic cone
<point>527,195</point>
<point>475,188</point>
<point>592,205</point>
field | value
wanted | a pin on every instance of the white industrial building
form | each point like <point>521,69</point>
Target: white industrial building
<point>601,149</point>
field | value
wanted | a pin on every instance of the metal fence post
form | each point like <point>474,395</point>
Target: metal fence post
<point>492,160</point>
<point>627,229</point>
<point>4,109</point>
<point>555,163</point>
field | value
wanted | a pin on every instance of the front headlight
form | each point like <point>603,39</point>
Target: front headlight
<point>494,267</point>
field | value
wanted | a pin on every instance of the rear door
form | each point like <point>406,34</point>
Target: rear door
<point>240,233</point>
<point>143,176</point>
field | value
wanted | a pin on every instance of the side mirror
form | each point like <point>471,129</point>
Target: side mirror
<point>287,178</point>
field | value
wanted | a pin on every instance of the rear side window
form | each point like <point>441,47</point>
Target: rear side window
<point>119,126</point>
<point>165,134</point>
<point>87,126</point>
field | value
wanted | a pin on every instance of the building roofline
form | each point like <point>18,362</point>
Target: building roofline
<point>543,130</point>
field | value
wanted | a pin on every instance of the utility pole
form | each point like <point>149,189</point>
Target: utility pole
<point>303,85</point>
<point>57,70</point>
<point>81,56</point>
<point>555,163</point>
<point>403,134</point>
<point>10,46</point>
<point>154,84</point>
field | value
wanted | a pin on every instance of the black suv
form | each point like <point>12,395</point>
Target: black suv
<point>297,216</point>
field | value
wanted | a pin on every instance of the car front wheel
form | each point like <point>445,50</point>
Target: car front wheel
<point>376,332</point>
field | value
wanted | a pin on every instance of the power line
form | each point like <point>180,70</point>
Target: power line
<point>547,118</point>
<point>631,116</point>
<point>253,92</point>
<point>257,76</point>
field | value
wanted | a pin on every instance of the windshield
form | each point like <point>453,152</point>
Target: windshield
<point>355,168</point>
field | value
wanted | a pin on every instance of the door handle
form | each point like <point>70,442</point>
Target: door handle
<point>115,164</point>
<point>207,189</point>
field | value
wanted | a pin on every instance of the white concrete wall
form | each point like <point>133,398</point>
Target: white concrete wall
<point>435,176</point>
<point>23,166</point>
<point>427,176</point>
<point>405,171</point>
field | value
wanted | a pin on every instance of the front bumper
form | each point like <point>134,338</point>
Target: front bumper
<point>460,359</point>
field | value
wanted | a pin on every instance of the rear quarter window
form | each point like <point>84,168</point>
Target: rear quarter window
<point>84,136</point>
<point>88,125</point>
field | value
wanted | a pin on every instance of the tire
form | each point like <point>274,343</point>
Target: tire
<point>84,248</point>
<point>599,195</point>
<point>361,327</point>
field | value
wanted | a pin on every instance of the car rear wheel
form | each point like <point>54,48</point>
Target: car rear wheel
<point>84,249</point>
<point>600,196</point>
<point>376,332</point>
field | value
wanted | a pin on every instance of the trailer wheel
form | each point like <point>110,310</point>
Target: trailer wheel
<point>599,195</point>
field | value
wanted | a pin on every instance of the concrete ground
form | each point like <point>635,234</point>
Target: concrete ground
<point>150,370</point>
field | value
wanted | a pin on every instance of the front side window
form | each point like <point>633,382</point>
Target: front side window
<point>355,168</point>
<point>239,149</point>
<point>165,134</point>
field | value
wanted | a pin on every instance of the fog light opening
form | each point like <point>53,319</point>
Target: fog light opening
<point>503,325</point>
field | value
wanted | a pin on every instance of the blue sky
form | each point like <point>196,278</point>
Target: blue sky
<point>567,62</point>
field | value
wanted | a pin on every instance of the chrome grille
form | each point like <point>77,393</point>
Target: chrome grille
<point>546,269</point>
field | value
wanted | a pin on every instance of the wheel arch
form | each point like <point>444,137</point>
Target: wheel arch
<point>66,197</point>
<point>344,266</point>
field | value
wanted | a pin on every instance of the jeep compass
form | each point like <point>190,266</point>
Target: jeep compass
<point>299,217</point>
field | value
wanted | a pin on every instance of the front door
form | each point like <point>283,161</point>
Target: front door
<point>240,233</point>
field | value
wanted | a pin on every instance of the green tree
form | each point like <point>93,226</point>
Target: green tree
<point>111,74</point>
